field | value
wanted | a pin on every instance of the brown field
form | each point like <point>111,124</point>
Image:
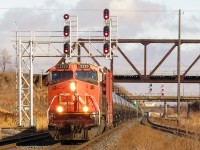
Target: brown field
<point>145,138</point>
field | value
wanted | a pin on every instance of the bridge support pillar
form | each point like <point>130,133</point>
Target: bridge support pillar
<point>165,109</point>
<point>188,111</point>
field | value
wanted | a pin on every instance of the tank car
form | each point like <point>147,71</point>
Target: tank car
<point>122,109</point>
<point>81,102</point>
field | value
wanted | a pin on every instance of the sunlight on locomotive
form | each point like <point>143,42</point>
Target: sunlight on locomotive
<point>85,109</point>
<point>59,109</point>
<point>73,86</point>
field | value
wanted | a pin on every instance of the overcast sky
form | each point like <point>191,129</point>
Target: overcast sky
<point>154,19</point>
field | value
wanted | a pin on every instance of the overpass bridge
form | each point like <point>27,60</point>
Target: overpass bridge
<point>155,79</point>
<point>156,107</point>
<point>157,97</point>
<point>162,98</point>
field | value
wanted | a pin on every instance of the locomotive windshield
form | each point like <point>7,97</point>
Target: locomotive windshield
<point>87,76</point>
<point>62,75</point>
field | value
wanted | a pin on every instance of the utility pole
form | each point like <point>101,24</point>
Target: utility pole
<point>16,72</point>
<point>178,68</point>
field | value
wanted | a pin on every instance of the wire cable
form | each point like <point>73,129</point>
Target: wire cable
<point>61,9</point>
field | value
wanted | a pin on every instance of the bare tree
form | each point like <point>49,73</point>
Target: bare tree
<point>4,59</point>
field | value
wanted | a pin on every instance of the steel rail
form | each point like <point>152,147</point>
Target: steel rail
<point>92,142</point>
<point>171,130</point>
<point>5,144</point>
<point>87,144</point>
<point>8,146</point>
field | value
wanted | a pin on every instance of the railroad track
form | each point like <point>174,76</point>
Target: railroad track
<point>23,140</point>
<point>86,145</point>
<point>171,130</point>
<point>93,143</point>
<point>97,139</point>
<point>58,146</point>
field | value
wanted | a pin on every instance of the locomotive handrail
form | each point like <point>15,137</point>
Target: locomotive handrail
<point>94,100</point>
<point>50,106</point>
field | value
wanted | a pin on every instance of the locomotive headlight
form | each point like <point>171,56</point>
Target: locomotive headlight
<point>85,109</point>
<point>73,86</point>
<point>59,109</point>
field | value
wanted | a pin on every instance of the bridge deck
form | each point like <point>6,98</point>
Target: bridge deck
<point>164,98</point>
<point>155,79</point>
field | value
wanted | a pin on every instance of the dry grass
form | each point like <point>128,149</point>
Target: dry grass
<point>8,102</point>
<point>41,122</point>
<point>145,138</point>
<point>7,120</point>
<point>7,92</point>
<point>192,123</point>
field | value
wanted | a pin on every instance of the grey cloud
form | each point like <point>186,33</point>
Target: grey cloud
<point>132,24</point>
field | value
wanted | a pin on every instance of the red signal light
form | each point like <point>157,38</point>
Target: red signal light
<point>106,14</point>
<point>106,48</point>
<point>162,92</point>
<point>150,87</point>
<point>106,31</point>
<point>66,49</point>
<point>66,16</point>
<point>66,30</point>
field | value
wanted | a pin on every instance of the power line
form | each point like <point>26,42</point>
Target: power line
<point>114,10</point>
<point>183,64</point>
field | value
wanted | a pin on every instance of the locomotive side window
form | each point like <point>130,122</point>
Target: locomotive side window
<point>88,76</point>
<point>64,75</point>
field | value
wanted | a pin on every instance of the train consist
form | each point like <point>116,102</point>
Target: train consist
<point>81,102</point>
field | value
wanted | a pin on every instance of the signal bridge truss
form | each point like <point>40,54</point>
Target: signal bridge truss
<point>32,44</point>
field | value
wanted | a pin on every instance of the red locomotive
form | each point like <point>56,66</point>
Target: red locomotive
<point>81,101</point>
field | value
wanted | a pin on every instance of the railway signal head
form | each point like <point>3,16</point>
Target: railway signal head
<point>66,31</point>
<point>162,92</point>
<point>106,48</point>
<point>150,87</point>
<point>106,14</point>
<point>66,16</point>
<point>106,31</point>
<point>162,89</point>
<point>66,48</point>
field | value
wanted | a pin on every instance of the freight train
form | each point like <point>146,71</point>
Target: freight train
<point>81,102</point>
